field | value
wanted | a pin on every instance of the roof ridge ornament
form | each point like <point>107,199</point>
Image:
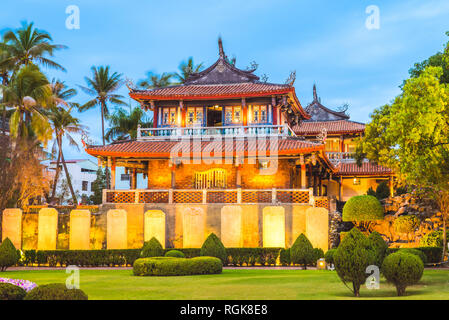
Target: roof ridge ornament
<point>315,96</point>
<point>220,48</point>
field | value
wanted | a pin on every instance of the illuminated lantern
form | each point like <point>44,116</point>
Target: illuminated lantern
<point>321,264</point>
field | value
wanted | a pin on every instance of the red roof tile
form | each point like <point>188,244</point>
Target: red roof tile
<point>211,90</point>
<point>333,127</point>
<point>344,169</point>
<point>164,148</point>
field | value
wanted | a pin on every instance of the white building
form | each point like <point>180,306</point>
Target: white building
<point>82,173</point>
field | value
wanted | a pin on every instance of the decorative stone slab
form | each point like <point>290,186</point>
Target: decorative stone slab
<point>154,224</point>
<point>79,230</point>
<point>317,227</point>
<point>274,226</point>
<point>231,226</point>
<point>117,229</point>
<point>298,221</point>
<point>47,229</point>
<point>12,226</point>
<point>193,226</point>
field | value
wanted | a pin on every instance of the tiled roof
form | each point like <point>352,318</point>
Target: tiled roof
<point>333,127</point>
<point>212,90</point>
<point>367,168</point>
<point>155,149</point>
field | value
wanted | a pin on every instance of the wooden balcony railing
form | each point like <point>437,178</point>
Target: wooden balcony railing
<point>210,132</point>
<point>191,196</point>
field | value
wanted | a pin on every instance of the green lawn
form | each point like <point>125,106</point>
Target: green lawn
<point>233,284</point>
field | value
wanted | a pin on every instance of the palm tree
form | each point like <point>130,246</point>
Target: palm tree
<point>64,124</point>
<point>102,86</point>
<point>186,69</point>
<point>28,45</point>
<point>124,124</point>
<point>27,94</point>
<point>154,80</point>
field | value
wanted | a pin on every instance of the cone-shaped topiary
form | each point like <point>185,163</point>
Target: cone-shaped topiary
<point>379,246</point>
<point>8,254</point>
<point>352,257</point>
<point>152,248</point>
<point>213,247</point>
<point>402,270</point>
<point>302,252</point>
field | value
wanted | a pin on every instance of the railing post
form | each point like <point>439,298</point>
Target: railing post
<point>311,197</point>
<point>136,196</point>
<point>104,196</point>
<point>204,196</point>
<point>273,195</point>
<point>170,195</point>
<point>139,133</point>
<point>239,195</point>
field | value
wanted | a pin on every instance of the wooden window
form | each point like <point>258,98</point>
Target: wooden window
<point>233,115</point>
<point>169,116</point>
<point>211,179</point>
<point>194,116</point>
<point>259,114</point>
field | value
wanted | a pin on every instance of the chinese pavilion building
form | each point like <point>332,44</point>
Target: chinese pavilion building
<point>231,154</point>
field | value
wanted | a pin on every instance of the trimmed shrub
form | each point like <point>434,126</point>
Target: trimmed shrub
<point>329,256</point>
<point>382,191</point>
<point>8,254</point>
<point>406,224</point>
<point>213,247</point>
<point>302,252</point>
<point>9,291</point>
<point>379,246</point>
<point>353,255</point>
<point>252,256</point>
<point>55,291</point>
<point>175,254</point>
<point>363,210</point>
<point>402,270</point>
<point>416,252</point>
<point>152,248</point>
<point>284,257</point>
<point>432,239</point>
<point>318,253</point>
<point>433,254</point>
<point>167,266</point>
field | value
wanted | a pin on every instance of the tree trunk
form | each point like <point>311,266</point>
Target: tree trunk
<point>444,234</point>
<point>69,181</point>
<point>55,181</point>
<point>400,290</point>
<point>102,120</point>
<point>356,288</point>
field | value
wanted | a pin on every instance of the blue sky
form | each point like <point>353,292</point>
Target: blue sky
<point>326,42</point>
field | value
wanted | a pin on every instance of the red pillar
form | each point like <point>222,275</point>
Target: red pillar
<point>155,116</point>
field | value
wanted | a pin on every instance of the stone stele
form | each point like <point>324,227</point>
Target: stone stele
<point>117,229</point>
<point>47,229</point>
<point>274,226</point>
<point>79,230</point>
<point>12,226</point>
<point>154,225</point>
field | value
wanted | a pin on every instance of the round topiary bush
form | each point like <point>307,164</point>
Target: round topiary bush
<point>353,256</point>
<point>416,252</point>
<point>406,224</point>
<point>402,270</point>
<point>362,211</point>
<point>213,247</point>
<point>302,252</point>
<point>152,248</point>
<point>167,266</point>
<point>175,254</point>
<point>9,291</point>
<point>379,246</point>
<point>8,254</point>
<point>329,256</point>
<point>55,291</point>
